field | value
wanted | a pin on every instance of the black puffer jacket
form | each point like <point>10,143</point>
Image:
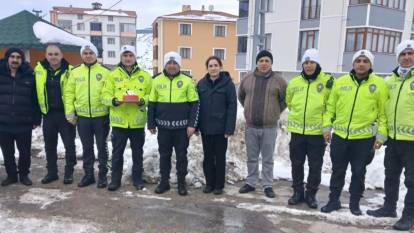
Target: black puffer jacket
<point>218,105</point>
<point>19,109</point>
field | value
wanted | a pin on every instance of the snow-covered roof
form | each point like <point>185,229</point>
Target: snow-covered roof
<point>202,15</point>
<point>90,11</point>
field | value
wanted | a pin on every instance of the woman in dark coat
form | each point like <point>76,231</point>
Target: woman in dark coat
<point>218,110</point>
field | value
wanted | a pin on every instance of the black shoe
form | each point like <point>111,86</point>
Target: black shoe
<point>86,181</point>
<point>382,212</point>
<point>404,224</point>
<point>246,189</point>
<point>49,179</point>
<point>297,197</point>
<point>208,189</point>
<point>139,185</point>
<point>354,208</point>
<point>102,182</point>
<point>218,191</point>
<point>68,178</point>
<point>268,191</point>
<point>162,187</point>
<point>9,180</point>
<point>182,189</point>
<point>311,201</point>
<point>331,206</point>
<point>25,180</point>
<point>114,185</point>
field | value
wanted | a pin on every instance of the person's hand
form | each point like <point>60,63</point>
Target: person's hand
<point>116,102</point>
<point>377,144</point>
<point>73,120</point>
<point>327,136</point>
<point>153,131</point>
<point>190,131</point>
<point>141,102</point>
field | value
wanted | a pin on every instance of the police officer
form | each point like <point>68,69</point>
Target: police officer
<point>306,98</point>
<point>173,110</point>
<point>52,75</point>
<point>82,99</point>
<point>127,119</point>
<point>400,145</point>
<point>355,111</point>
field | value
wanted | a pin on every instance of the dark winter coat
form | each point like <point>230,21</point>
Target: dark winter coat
<point>218,105</point>
<point>19,109</point>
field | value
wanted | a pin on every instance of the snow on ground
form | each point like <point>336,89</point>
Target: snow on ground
<point>43,197</point>
<point>15,224</point>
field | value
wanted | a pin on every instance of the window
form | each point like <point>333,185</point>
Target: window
<point>185,53</point>
<point>375,40</point>
<point>111,53</point>
<point>221,53</point>
<point>111,40</point>
<point>97,27</point>
<point>65,25</point>
<point>242,44</point>
<point>97,41</point>
<point>155,31</point>
<point>395,4</point>
<point>80,17</point>
<point>308,39</point>
<point>268,41</point>
<point>185,29</point>
<point>110,27</point>
<point>242,74</point>
<point>110,18</point>
<point>355,2</point>
<point>128,27</point>
<point>155,52</point>
<point>80,26</point>
<point>412,37</point>
<point>266,5</point>
<point>187,72</point>
<point>127,41</point>
<point>219,31</point>
<point>243,8</point>
<point>311,9</point>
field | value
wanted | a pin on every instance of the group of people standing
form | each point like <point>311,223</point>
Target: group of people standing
<point>355,114</point>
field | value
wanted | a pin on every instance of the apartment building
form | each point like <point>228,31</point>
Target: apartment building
<point>196,35</point>
<point>107,29</point>
<point>338,28</point>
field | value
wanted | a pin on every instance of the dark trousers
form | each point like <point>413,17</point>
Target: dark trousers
<point>55,123</point>
<point>214,163</point>
<point>167,140</point>
<point>359,153</point>
<point>24,143</point>
<point>88,129</point>
<point>399,155</point>
<point>120,137</point>
<point>312,147</point>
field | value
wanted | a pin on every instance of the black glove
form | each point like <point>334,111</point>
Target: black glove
<point>115,102</point>
<point>141,102</point>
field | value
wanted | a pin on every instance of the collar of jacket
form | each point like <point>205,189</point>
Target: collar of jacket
<point>258,74</point>
<point>92,64</point>
<point>359,81</point>
<point>24,68</point>
<point>64,64</point>
<point>134,69</point>
<point>395,71</point>
<point>169,75</point>
<point>223,78</point>
<point>312,77</point>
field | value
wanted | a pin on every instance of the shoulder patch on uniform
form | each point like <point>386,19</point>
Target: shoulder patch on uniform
<point>330,82</point>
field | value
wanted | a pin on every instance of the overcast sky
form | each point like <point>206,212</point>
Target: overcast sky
<point>147,10</point>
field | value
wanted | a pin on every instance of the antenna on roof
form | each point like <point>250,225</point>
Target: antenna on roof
<point>37,12</point>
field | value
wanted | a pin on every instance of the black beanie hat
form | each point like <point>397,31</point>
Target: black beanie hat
<point>264,53</point>
<point>14,50</point>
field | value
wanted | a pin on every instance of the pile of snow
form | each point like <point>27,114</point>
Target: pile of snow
<point>43,197</point>
<point>105,12</point>
<point>47,33</point>
<point>207,17</point>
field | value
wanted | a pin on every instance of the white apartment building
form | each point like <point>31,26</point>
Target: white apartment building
<point>338,28</point>
<point>107,29</point>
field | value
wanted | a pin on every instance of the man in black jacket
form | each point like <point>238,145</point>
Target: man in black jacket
<point>19,114</point>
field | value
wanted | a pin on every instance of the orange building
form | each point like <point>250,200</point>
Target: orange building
<point>196,35</point>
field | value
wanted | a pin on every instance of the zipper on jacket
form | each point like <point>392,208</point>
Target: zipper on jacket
<point>45,96</point>
<point>14,89</point>
<point>89,91</point>
<point>352,112</point>
<point>170,89</point>
<point>395,113</point>
<point>306,105</point>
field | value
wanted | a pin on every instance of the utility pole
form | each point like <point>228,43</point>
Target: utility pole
<point>259,36</point>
